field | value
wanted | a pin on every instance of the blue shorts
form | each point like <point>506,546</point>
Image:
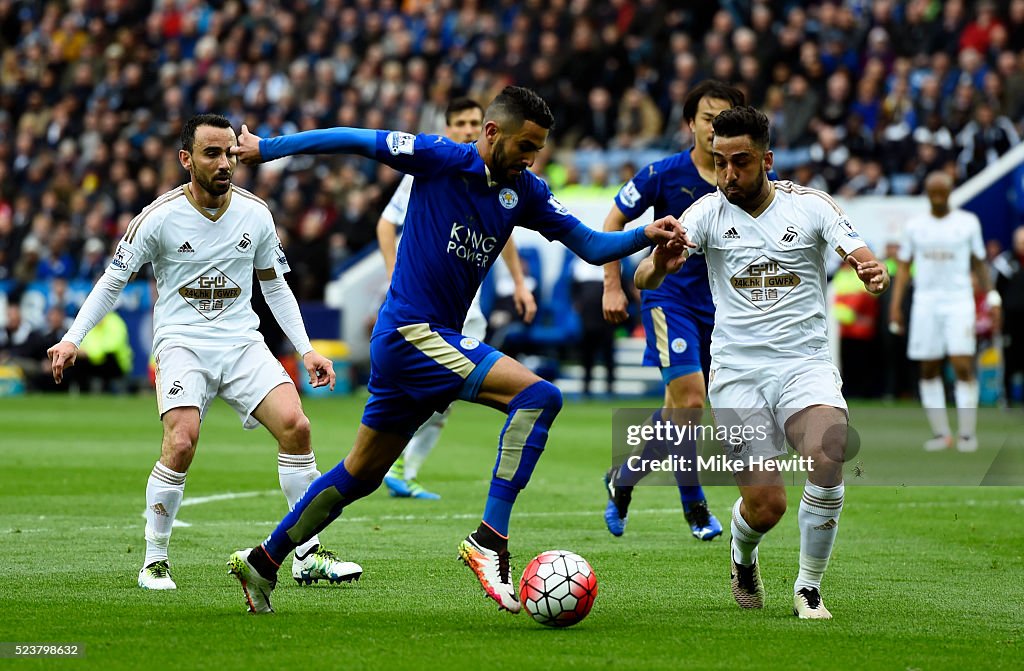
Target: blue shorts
<point>416,370</point>
<point>677,342</point>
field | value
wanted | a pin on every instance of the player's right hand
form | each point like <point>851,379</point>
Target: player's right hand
<point>615,305</point>
<point>248,149</point>
<point>62,355</point>
<point>667,232</point>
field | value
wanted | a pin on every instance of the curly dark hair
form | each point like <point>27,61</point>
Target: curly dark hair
<point>516,104</point>
<point>743,120</point>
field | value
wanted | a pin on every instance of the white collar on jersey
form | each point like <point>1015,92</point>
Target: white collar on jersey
<point>490,182</point>
<point>487,171</point>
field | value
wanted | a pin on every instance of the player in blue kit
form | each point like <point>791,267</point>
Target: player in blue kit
<point>678,316</point>
<point>465,201</point>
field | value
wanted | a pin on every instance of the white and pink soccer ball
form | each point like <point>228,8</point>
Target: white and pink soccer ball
<point>558,588</point>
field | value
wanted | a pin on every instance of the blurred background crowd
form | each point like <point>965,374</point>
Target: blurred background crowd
<point>864,97</point>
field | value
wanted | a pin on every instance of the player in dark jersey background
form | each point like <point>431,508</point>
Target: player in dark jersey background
<point>465,201</point>
<point>678,316</point>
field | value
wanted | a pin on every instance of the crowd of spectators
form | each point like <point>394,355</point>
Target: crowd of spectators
<point>865,97</point>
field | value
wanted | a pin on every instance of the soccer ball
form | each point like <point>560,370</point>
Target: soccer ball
<point>558,588</point>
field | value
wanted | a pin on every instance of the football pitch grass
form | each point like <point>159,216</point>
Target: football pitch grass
<point>922,577</point>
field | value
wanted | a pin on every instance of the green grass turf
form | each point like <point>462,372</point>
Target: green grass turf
<point>922,577</point>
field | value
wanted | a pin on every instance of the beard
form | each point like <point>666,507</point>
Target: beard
<point>747,198</point>
<point>212,187</point>
<point>502,167</point>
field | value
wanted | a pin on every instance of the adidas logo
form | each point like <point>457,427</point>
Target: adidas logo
<point>731,234</point>
<point>160,510</point>
<point>186,249</point>
<point>831,524</point>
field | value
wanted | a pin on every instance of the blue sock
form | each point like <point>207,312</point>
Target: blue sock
<point>689,494</point>
<point>498,510</point>
<point>322,503</point>
<point>530,414</point>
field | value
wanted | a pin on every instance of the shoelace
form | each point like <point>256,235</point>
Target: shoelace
<point>159,569</point>
<point>699,514</point>
<point>811,596</point>
<point>325,554</point>
<point>745,577</point>
<point>504,566</point>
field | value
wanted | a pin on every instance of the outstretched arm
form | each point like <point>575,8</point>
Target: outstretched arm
<point>253,149</point>
<point>99,302</point>
<point>598,248</point>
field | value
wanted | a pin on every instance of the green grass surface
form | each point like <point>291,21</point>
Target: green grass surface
<point>922,577</point>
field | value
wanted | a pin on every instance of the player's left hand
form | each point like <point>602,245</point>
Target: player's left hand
<point>320,369</point>
<point>526,305</point>
<point>668,260</point>
<point>874,276</point>
<point>62,355</point>
<point>248,149</point>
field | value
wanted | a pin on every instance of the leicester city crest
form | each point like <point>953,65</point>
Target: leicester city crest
<point>508,198</point>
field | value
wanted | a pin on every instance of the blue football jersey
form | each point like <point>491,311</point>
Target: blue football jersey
<point>670,186</point>
<point>457,223</point>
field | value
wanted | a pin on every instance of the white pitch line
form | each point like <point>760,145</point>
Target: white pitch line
<point>952,503</point>
<point>200,500</point>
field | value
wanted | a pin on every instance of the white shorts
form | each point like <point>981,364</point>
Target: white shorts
<point>940,328</point>
<point>242,374</point>
<point>754,404</point>
<point>476,323</point>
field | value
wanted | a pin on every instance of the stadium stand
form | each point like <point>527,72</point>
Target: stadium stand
<point>864,98</point>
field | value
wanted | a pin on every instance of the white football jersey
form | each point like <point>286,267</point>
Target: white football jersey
<point>767,274</point>
<point>941,249</point>
<point>398,206</point>
<point>203,263</point>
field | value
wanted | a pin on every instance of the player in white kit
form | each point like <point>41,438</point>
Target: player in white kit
<point>766,245</point>
<point>463,121</point>
<point>204,239</point>
<point>945,246</point>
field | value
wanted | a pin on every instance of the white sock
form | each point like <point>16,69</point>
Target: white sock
<point>819,522</point>
<point>164,491</point>
<point>744,539</point>
<point>966,394</point>
<point>422,442</point>
<point>933,398</point>
<point>295,472</point>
